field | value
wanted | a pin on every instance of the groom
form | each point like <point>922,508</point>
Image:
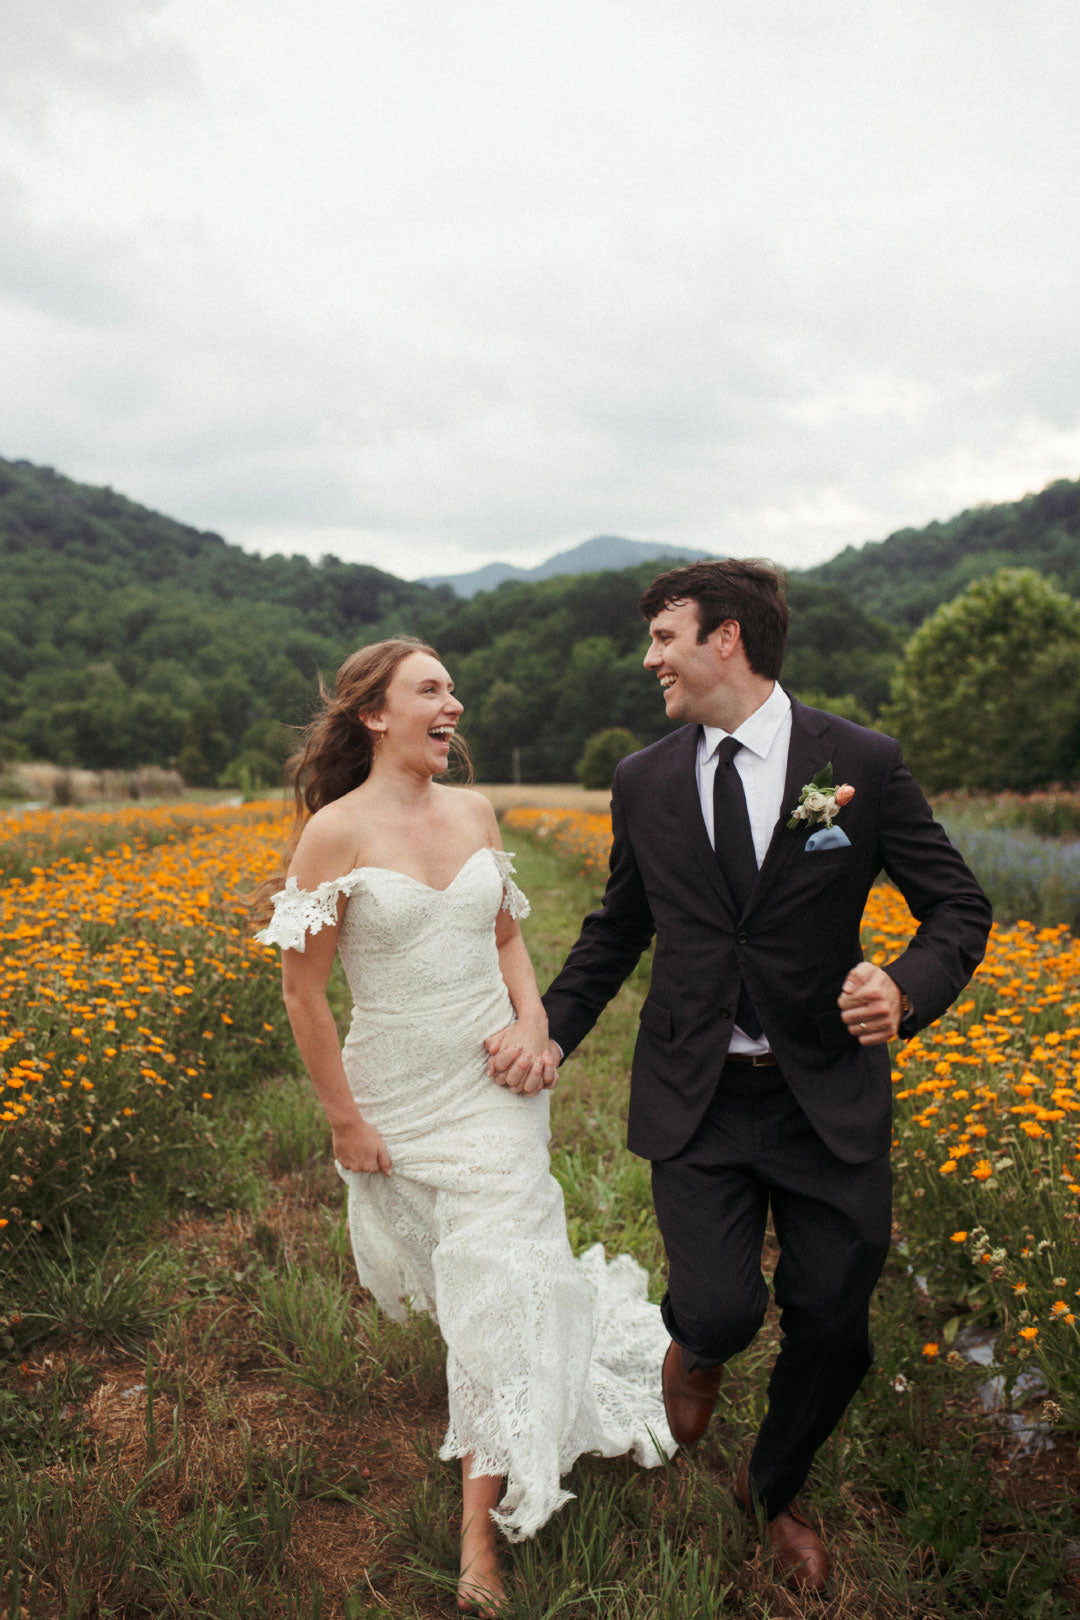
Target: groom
<point>761,1076</point>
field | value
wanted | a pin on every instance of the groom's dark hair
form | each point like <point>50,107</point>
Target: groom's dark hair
<point>748,589</point>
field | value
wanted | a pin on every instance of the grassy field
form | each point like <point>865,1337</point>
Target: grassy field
<point>200,1413</point>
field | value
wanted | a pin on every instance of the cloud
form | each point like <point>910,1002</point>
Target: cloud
<point>111,50</point>
<point>430,285</point>
<point>74,275</point>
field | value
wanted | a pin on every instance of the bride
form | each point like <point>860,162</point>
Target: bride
<point>452,1207</point>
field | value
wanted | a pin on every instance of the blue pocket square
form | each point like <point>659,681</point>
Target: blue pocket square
<point>827,838</point>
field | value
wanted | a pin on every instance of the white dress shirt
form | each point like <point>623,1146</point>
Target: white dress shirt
<point>762,766</point>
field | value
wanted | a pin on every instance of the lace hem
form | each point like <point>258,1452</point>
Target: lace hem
<point>522,1512</point>
<point>514,900</point>
<point>591,1347</point>
<point>299,912</point>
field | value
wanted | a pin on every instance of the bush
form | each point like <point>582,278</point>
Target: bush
<point>603,751</point>
<point>847,707</point>
<point>1053,813</point>
<point>253,773</point>
<point>193,767</point>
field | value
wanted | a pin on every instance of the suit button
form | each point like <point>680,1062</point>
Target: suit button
<point>725,1012</point>
<point>741,939</point>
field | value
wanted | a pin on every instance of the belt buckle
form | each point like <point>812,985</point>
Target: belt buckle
<point>761,1060</point>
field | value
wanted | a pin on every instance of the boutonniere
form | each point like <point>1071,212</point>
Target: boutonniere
<point>819,802</point>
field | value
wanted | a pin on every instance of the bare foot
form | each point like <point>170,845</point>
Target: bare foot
<point>480,1589</point>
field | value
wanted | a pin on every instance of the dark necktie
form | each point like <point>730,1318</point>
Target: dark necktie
<point>734,846</point>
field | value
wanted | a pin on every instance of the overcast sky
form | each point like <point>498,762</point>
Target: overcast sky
<point>427,283</point>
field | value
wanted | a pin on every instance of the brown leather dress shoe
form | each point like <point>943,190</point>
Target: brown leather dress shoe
<point>689,1397</point>
<point>796,1548</point>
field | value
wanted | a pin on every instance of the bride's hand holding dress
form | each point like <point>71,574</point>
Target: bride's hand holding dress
<point>359,1147</point>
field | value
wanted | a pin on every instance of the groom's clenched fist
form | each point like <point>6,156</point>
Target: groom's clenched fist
<point>871,1004</point>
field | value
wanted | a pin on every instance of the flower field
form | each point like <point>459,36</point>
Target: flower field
<point>200,1409</point>
<point>130,994</point>
<point>40,838</point>
<point>132,998</point>
<point>987,1143</point>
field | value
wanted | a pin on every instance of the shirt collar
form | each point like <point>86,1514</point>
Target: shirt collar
<point>758,731</point>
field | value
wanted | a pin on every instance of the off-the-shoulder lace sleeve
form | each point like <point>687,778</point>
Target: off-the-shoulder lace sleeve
<point>299,912</point>
<point>513,900</point>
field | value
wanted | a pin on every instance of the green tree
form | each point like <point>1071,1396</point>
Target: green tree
<point>603,751</point>
<point>493,728</point>
<point>988,694</point>
<point>205,750</point>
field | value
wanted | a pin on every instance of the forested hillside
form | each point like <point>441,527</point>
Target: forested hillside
<point>128,638</point>
<point>906,576</point>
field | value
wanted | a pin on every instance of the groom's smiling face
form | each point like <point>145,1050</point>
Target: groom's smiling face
<point>691,672</point>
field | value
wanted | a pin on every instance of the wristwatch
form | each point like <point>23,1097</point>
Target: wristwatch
<point>907,1015</point>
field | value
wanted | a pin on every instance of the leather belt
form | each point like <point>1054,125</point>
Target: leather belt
<point>759,1060</point>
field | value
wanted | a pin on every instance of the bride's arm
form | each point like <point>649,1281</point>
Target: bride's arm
<point>305,975</point>
<point>525,1058</point>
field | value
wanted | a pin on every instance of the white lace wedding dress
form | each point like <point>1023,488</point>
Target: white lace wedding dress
<point>547,1356</point>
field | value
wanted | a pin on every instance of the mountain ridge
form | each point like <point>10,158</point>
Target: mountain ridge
<point>600,553</point>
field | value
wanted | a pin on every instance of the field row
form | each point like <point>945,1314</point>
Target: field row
<point>131,992</point>
<point>32,841</point>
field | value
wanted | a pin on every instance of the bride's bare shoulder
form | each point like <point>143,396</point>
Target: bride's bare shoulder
<point>474,809</point>
<point>327,845</point>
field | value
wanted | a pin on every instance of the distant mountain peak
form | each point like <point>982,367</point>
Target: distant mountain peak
<point>591,556</point>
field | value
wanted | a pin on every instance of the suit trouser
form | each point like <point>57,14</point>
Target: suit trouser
<point>756,1148</point>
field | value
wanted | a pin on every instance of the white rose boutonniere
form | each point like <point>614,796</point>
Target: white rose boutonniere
<point>820,802</point>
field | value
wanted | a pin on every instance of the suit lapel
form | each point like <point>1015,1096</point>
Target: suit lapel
<point>688,810</point>
<point>808,750</point>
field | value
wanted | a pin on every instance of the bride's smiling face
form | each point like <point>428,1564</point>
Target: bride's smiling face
<point>419,715</point>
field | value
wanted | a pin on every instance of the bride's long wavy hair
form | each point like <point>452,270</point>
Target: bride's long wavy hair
<point>336,747</point>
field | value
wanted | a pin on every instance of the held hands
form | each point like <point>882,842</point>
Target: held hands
<point>358,1146</point>
<point>870,1005</point>
<point>522,1058</point>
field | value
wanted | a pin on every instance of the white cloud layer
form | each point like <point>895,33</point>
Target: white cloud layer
<point>431,283</point>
